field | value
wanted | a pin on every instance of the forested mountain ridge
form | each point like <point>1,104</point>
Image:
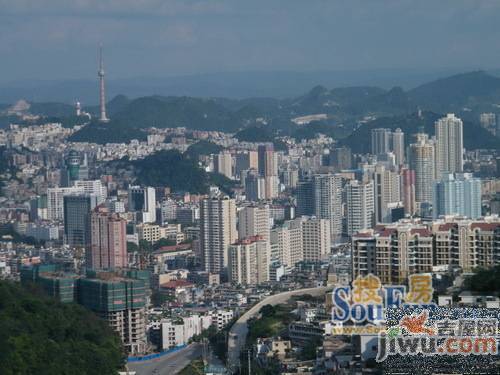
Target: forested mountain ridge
<point>341,109</point>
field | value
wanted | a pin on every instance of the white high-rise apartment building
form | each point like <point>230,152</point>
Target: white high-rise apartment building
<point>316,238</point>
<point>93,187</point>
<point>360,206</point>
<point>458,194</point>
<point>217,232</point>
<point>143,201</point>
<point>449,145</point>
<point>223,164</point>
<point>398,146</point>
<point>168,210</point>
<point>385,141</point>
<point>55,201</point>
<point>489,122</point>
<point>381,141</point>
<point>387,192</point>
<point>249,260</point>
<point>175,332</point>
<point>268,168</point>
<point>271,186</point>
<point>327,192</point>
<point>254,221</point>
<point>422,161</point>
<point>287,244</point>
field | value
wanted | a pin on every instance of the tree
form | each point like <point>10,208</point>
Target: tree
<point>173,169</point>
<point>202,148</point>
<point>158,299</point>
<point>309,350</point>
<point>484,280</point>
<point>164,242</point>
<point>39,335</point>
<point>145,246</point>
<point>132,247</point>
<point>267,311</point>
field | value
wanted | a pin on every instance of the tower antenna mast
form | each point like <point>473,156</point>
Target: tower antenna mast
<point>102,95</point>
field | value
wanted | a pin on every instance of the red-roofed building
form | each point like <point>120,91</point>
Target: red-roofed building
<point>395,251</point>
<point>248,261</point>
<point>181,290</point>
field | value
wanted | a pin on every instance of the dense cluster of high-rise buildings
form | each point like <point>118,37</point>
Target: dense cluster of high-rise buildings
<point>414,204</point>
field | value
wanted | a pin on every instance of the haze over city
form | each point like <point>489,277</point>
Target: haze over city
<point>249,187</point>
<point>57,40</point>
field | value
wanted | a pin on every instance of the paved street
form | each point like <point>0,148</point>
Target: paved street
<point>239,330</point>
<point>169,364</point>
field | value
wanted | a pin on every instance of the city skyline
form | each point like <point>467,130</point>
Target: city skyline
<point>307,192</point>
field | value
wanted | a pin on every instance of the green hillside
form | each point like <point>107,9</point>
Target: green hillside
<point>177,171</point>
<point>202,148</point>
<point>475,90</point>
<point>112,132</point>
<point>39,335</point>
<point>467,95</point>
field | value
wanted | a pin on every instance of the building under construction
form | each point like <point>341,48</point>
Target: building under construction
<point>121,301</point>
<point>119,297</point>
<point>62,286</point>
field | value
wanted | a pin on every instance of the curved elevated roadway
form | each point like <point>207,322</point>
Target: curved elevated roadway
<point>239,330</point>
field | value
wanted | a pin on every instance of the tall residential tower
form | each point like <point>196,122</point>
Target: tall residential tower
<point>449,145</point>
<point>217,231</point>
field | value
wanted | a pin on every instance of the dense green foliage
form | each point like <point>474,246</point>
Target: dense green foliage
<point>467,95</point>
<point>485,280</point>
<point>145,246</point>
<point>132,247</point>
<point>173,169</point>
<point>115,105</point>
<point>309,350</point>
<point>71,121</point>
<point>173,112</point>
<point>255,134</point>
<point>347,101</point>
<point>39,335</point>
<point>478,91</point>
<point>159,299</point>
<point>268,311</point>
<point>112,132</point>
<point>225,184</point>
<point>163,242</point>
<point>202,148</point>
<point>179,172</point>
<point>273,321</point>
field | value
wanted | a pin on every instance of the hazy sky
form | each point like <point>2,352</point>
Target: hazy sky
<point>58,39</point>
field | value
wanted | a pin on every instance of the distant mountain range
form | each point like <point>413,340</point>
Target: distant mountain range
<point>236,85</point>
<point>342,110</point>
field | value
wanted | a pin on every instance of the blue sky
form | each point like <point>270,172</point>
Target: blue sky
<point>58,39</point>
